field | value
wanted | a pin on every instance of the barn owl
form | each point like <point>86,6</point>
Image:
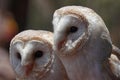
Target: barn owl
<point>83,43</point>
<point>32,57</point>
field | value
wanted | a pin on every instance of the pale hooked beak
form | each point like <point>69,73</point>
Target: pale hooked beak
<point>28,69</point>
<point>59,40</point>
<point>27,64</point>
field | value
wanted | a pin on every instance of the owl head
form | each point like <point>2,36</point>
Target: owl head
<point>76,26</point>
<point>31,54</point>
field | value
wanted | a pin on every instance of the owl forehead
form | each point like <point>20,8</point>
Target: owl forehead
<point>38,35</point>
<point>73,11</point>
<point>25,41</point>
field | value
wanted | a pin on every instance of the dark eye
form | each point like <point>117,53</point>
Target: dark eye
<point>73,29</point>
<point>38,54</point>
<point>18,56</point>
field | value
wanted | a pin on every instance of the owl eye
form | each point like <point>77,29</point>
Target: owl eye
<point>73,29</point>
<point>18,56</point>
<point>38,54</point>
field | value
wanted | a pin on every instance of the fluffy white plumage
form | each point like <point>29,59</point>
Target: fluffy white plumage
<point>83,43</point>
<point>32,57</point>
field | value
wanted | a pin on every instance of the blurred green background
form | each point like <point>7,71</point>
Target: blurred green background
<point>37,14</point>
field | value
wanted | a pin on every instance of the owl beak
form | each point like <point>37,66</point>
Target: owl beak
<point>27,64</point>
<point>27,67</point>
<point>59,37</point>
<point>26,60</point>
<point>59,43</point>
